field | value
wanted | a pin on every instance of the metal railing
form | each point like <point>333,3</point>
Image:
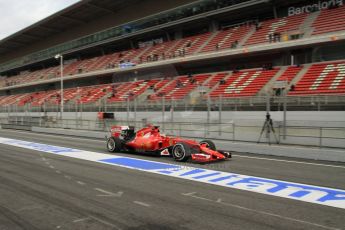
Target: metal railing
<point>258,103</point>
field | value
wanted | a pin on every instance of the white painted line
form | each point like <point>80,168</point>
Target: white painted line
<point>289,161</point>
<point>141,203</point>
<point>189,194</point>
<point>107,193</point>
<point>259,212</point>
<point>68,177</point>
<point>81,183</point>
<point>58,172</point>
<point>81,220</point>
<point>52,167</point>
<point>105,222</point>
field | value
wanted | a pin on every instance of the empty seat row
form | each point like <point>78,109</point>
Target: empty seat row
<point>324,78</point>
<point>330,20</point>
<point>244,83</point>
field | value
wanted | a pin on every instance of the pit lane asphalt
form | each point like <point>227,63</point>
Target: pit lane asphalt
<point>45,191</point>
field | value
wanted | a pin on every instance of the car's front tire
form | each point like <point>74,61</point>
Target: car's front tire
<point>181,152</point>
<point>114,144</point>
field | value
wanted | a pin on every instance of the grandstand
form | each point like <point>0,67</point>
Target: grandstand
<point>182,58</point>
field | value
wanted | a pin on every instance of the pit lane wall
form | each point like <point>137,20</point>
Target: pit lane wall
<point>321,129</point>
<point>238,131</point>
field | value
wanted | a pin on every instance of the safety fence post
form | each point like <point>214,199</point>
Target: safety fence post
<point>220,108</point>
<point>233,131</point>
<point>205,130</point>
<point>172,110</point>
<point>320,137</point>
<point>105,104</point>
<point>163,113</point>
<point>135,110</point>
<point>208,115</point>
<point>128,110</point>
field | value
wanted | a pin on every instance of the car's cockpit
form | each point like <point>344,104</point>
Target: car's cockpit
<point>128,134</point>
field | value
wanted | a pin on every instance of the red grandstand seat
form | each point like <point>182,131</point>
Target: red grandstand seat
<point>243,83</point>
<point>322,78</point>
<point>279,25</point>
<point>290,73</point>
<point>330,20</point>
<point>225,38</point>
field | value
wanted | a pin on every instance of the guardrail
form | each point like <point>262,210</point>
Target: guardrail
<point>321,136</point>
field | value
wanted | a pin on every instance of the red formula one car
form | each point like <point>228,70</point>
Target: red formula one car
<point>150,140</point>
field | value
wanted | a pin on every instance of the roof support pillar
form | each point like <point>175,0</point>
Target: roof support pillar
<point>214,26</point>
<point>275,11</point>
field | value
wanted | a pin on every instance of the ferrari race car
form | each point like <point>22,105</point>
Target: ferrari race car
<point>150,140</point>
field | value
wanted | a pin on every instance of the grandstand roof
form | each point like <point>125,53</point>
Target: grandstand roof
<point>79,13</point>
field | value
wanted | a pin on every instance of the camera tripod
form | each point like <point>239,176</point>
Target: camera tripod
<point>268,126</point>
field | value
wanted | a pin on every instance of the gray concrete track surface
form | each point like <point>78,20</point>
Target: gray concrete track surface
<point>45,191</point>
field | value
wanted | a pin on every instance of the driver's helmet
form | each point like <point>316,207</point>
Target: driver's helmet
<point>126,131</point>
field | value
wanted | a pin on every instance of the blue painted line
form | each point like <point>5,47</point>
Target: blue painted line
<point>139,164</point>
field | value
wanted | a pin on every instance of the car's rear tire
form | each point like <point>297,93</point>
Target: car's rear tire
<point>181,152</point>
<point>209,144</point>
<point>114,144</point>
